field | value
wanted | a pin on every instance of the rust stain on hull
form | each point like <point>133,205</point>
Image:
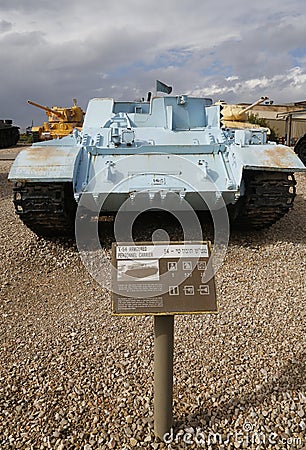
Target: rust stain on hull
<point>44,153</point>
<point>279,157</point>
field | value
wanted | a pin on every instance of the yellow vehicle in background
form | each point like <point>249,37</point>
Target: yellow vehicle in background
<point>61,121</point>
<point>236,116</point>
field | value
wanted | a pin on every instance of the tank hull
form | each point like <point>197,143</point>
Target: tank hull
<point>171,154</point>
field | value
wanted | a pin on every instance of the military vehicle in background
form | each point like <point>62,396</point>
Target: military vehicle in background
<point>236,116</point>
<point>61,121</point>
<point>300,148</point>
<point>9,133</point>
<point>163,152</point>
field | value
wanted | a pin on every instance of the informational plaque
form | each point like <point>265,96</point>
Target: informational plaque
<point>162,278</point>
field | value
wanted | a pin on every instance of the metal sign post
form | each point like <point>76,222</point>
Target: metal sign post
<point>162,279</point>
<point>163,373</point>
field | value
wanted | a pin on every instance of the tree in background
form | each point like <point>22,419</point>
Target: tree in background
<point>262,122</point>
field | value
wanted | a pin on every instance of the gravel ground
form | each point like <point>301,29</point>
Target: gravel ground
<point>75,377</point>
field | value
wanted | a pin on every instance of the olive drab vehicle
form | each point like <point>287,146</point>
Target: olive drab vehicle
<point>300,148</point>
<point>61,121</point>
<point>9,133</point>
<point>169,147</point>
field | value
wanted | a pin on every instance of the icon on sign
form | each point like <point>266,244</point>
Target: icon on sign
<point>201,265</point>
<point>172,266</point>
<point>174,290</point>
<point>187,265</point>
<point>189,290</point>
<point>203,289</point>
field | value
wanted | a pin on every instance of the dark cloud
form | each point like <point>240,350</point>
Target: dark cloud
<point>5,26</point>
<point>25,39</point>
<point>53,51</point>
<point>30,6</point>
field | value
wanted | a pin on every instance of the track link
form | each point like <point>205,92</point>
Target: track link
<point>48,209</point>
<point>268,197</point>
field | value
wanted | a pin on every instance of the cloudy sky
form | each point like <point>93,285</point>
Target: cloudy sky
<point>235,50</point>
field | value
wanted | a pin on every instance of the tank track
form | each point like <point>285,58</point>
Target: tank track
<point>48,209</point>
<point>268,197</point>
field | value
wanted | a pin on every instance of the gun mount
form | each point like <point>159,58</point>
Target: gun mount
<point>50,111</point>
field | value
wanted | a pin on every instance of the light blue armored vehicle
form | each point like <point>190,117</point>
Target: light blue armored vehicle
<point>167,147</point>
